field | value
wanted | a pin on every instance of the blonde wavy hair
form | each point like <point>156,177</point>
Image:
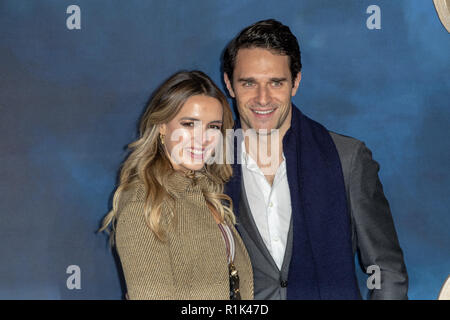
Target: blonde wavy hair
<point>148,162</point>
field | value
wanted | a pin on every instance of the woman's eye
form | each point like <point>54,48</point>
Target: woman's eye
<point>216,127</point>
<point>187,124</point>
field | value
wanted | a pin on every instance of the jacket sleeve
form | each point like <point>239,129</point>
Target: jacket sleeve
<point>145,260</point>
<point>377,242</point>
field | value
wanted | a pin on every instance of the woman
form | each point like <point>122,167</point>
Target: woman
<point>173,229</point>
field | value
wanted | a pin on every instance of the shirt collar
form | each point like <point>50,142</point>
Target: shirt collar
<point>248,162</point>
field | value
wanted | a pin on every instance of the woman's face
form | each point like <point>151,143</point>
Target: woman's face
<point>190,137</point>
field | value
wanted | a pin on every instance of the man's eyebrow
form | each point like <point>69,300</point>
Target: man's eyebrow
<point>278,79</point>
<point>246,79</point>
<point>251,79</point>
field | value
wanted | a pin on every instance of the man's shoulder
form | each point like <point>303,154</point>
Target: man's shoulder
<point>345,144</point>
<point>346,147</point>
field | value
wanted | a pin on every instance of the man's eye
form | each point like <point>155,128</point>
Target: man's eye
<point>276,83</point>
<point>248,84</point>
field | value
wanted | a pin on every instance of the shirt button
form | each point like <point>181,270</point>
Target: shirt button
<point>271,204</point>
<point>276,239</point>
<point>283,283</point>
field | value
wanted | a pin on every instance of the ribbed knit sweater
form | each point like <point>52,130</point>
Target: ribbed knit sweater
<point>192,262</point>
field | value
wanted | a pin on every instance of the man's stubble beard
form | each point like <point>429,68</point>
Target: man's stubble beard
<point>280,122</point>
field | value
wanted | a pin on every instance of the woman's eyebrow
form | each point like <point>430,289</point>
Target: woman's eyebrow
<point>195,119</point>
<point>189,118</point>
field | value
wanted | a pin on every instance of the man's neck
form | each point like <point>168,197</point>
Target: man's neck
<point>267,150</point>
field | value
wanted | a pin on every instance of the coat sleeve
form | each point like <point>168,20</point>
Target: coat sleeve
<point>145,260</point>
<point>377,242</point>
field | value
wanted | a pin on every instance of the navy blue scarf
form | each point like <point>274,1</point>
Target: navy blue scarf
<point>322,264</point>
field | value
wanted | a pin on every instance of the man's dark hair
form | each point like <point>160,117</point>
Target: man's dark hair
<point>266,34</point>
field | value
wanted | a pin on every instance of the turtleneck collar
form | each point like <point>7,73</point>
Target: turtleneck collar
<point>180,181</point>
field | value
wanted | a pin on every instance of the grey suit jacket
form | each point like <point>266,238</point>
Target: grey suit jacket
<point>374,238</point>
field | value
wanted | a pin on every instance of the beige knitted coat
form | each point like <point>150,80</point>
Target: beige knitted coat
<point>192,262</point>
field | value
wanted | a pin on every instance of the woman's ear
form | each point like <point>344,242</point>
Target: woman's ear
<point>162,129</point>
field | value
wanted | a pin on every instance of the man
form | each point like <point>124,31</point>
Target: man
<point>304,218</point>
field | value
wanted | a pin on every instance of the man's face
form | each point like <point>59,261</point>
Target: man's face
<point>262,87</point>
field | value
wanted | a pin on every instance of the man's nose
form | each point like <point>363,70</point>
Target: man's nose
<point>263,95</point>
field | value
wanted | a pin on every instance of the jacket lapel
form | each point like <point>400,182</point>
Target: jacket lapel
<point>246,219</point>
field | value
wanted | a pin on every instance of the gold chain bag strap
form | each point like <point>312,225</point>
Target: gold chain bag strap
<point>233,273</point>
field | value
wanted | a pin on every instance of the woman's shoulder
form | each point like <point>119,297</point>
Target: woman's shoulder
<point>131,199</point>
<point>130,207</point>
<point>135,191</point>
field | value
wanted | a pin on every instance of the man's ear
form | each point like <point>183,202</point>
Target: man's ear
<point>298,78</point>
<point>228,84</point>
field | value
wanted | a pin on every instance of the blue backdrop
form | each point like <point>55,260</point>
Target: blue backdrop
<point>70,101</point>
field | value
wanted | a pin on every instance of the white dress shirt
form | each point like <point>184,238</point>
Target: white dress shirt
<point>270,205</point>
